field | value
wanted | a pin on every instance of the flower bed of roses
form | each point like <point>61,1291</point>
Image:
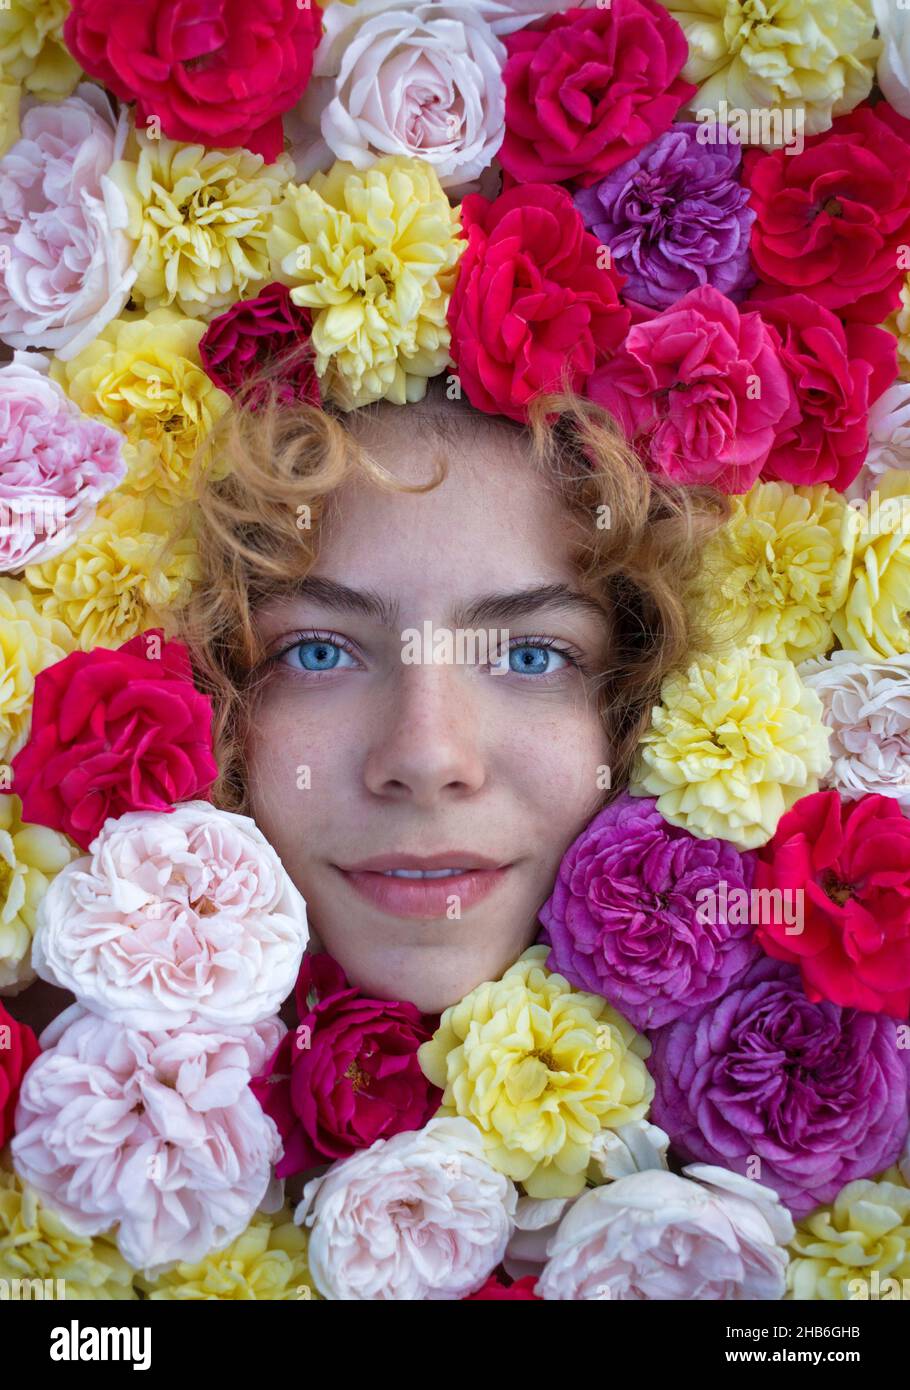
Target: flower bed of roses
<point>688,1104</point>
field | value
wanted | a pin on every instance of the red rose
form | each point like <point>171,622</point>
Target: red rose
<point>347,1075</point>
<point>589,89</point>
<point>220,72</point>
<point>848,865</point>
<point>836,372</point>
<point>829,220</point>
<point>494,1289</point>
<point>255,335</point>
<point>19,1049</point>
<point>530,301</point>
<point>114,731</point>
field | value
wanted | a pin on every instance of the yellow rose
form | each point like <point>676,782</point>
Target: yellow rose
<point>372,254</point>
<point>32,50</point>
<point>120,576</point>
<point>268,1261</point>
<point>898,323</point>
<point>812,56</point>
<point>875,617</point>
<point>541,1069</point>
<point>143,375</point>
<point>200,218</point>
<point>10,95</point>
<point>734,742</point>
<point>35,1244</point>
<point>850,1249</point>
<point>778,570</point>
<point>29,641</point>
<point>30,856</point>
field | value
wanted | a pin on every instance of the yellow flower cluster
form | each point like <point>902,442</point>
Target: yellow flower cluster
<point>143,376</point>
<point>541,1069</point>
<point>778,571</point>
<point>201,219</point>
<point>35,1244</point>
<point>875,618</point>
<point>30,856</point>
<point>268,1261</point>
<point>29,640</point>
<point>851,1249</point>
<point>812,56</point>
<point>32,50</point>
<point>373,255</point>
<point>10,95</point>
<point>121,574</point>
<point>898,323</point>
<point>734,742</point>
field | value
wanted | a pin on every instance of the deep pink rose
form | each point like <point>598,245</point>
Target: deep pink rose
<point>347,1075</point>
<point>494,1290</point>
<point>531,302</point>
<point>219,72</point>
<point>19,1050</point>
<point>268,333</point>
<point>591,88</point>
<point>829,221</point>
<point>114,731</point>
<point>700,390</point>
<point>836,371</point>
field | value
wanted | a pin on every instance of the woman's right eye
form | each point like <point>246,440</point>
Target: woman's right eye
<point>317,654</point>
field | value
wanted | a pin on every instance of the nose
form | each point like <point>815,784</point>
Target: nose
<point>427,743</point>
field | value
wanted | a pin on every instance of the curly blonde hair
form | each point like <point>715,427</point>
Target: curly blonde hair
<point>636,538</point>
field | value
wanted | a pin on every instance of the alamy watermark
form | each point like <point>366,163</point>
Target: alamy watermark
<point>760,907</point>
<point>460,646</point>
<point>769,126</point>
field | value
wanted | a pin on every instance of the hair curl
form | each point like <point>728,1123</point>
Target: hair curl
<point>258,527</point>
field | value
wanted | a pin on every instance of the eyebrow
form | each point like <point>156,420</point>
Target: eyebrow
<point>498,607</point>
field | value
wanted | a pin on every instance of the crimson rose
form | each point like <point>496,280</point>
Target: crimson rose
<point>16,1056</point>
<point>254,335</point>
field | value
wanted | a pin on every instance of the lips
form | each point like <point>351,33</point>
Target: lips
<point>425,886</point>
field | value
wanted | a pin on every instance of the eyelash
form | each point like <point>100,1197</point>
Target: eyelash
<point>571,653</point>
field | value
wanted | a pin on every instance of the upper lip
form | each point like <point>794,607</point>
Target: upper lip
<point>455,859</point>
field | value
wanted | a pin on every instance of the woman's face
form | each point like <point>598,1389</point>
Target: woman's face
<point>421,793</point>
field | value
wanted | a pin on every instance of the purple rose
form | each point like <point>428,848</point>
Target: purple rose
<point>675,217</point>
<point>625,918</point>
<point>268,333</point>
<point>818,1094</point>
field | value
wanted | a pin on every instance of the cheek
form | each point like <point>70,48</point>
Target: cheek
<point>293,764</point>
<point>559,766</point>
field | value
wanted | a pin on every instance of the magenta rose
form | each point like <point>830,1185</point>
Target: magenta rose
<point>700,391</point>
<point>836,372</point>
<point>219,72</point>
<point>531,304</point>
<point>19,1050</point>
<point>830,220</point>
<point>111,732</point>
<point>347,1075</point>
<point>589,89</point>
<point>268,334</point>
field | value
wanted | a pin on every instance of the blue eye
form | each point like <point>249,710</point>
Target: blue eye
<point>529,659</point>
<point>317,654</point>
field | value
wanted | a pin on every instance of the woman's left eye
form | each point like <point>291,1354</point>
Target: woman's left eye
<point>317,654</point>
<point>531,659</point>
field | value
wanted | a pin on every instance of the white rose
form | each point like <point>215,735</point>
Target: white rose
<point>893,70</point>
<point>866,705</point>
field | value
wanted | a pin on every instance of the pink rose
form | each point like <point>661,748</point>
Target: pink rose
<point>591,88</point>
<point>114,731</point>
<point>531,303</point>
<point>55,464</point>
<point>348,1074</point>
<point>700,390</point>
<point>268,335</point>
<point>155,1134</point>
<point>220,72</point>
<point>173,919</point>
<point>63,238</point>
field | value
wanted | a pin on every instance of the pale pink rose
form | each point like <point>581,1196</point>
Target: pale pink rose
<point>653,1235</point>
<point>866,705</point>
<point>157,1135</point>
<point>55,464</point>
<point>174,917</point>
<point>63,225</point>
<point>419,1216</point>
<point>505,16</point>
<point>421,80</point>
<point>889,440</point>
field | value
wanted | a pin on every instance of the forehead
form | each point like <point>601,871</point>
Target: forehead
<point>493,520</point>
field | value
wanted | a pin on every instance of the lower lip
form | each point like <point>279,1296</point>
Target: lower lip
<point>424,897</point>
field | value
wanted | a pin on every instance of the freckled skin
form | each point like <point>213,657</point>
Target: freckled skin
<point>430,758</point>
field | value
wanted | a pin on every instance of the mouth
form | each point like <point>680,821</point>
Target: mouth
<point>425,887</point>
